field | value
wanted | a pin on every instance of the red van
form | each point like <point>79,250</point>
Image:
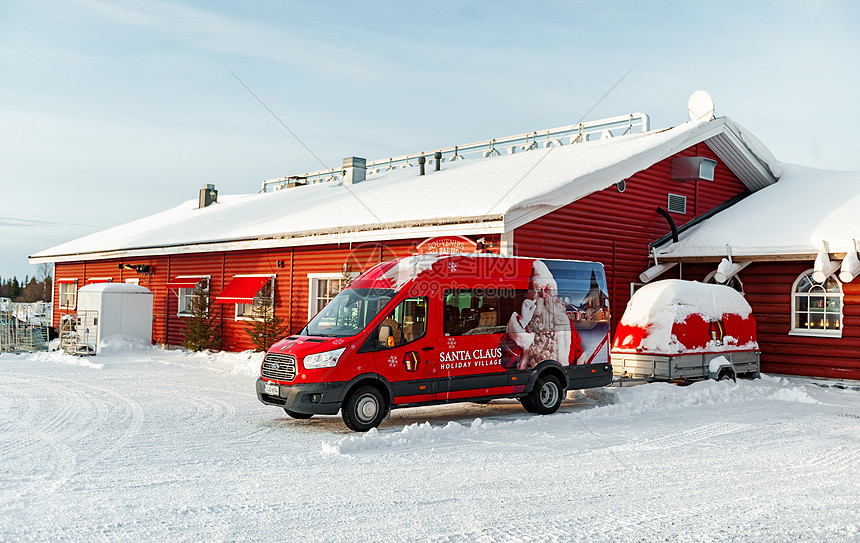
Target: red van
<point>434,329</point>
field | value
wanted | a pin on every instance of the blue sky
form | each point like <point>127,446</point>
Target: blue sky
<point>114,110</point>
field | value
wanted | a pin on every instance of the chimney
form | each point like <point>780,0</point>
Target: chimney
<point>421,160</point>
<point>208,195</point>
<point>355,170</point>
<point>438,156</point>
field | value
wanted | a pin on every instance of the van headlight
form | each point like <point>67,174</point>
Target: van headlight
<point>327,359</point>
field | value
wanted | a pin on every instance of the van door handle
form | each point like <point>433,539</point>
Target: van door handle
<point>427,348</point>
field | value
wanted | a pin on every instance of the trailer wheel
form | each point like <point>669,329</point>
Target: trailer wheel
<point>726,374</point>
<point>364,408</point>
<point>545,398</point>
<point>295,415</point>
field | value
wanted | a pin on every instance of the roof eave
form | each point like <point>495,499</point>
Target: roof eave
<point>494,224</point>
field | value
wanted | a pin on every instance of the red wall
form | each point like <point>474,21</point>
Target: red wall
<point>615,228</point>
<point>767,288</point>
<point>290,265</point>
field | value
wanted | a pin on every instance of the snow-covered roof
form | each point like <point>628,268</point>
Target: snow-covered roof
<point>808,211</point>
<point>490,195</point>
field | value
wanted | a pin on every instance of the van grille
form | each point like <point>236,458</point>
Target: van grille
<point>281,367</point>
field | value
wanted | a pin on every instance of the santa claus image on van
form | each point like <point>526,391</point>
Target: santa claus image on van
<point>565,313</point>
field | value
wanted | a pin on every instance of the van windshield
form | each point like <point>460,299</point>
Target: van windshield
<point>349,312</point>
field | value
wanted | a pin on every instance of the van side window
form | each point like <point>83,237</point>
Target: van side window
<point>405,324</point>
<point>480,311</point>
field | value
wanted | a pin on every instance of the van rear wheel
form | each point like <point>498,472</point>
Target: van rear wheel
<point>545,398</point>
<point>364,408</point>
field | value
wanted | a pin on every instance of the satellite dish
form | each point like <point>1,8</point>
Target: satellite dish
<point>701,106</point>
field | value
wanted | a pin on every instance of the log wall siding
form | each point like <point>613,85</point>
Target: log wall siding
<point>291,267</point>
<point>767,288</point>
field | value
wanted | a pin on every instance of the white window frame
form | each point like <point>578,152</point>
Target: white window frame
<point>97,280</point>
<point>185,295</point>
<point>247,312</point>
<point>316,303</point>
<point>815,332</point>
<point>64,295</point>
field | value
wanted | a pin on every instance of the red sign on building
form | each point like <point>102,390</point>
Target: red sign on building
<point>446,244</point>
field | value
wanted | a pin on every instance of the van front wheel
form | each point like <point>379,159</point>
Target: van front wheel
<point>364,408</point>
<point>545,398</point>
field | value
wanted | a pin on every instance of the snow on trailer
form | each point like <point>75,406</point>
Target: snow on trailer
<point>675,329</point>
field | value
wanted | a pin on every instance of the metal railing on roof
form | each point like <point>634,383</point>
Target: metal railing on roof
<point>564,135</point>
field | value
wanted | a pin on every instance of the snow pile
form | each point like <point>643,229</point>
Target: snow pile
<point>58,357</point>
<point>241,363</point>
<point>660,305</point>
<point>673,300</point>
<point>119,343</point>
<point>414,434</point>
<point>640,399</point>
<point>719,361</point>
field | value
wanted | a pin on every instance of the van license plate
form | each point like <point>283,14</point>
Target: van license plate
<point>271,389</point>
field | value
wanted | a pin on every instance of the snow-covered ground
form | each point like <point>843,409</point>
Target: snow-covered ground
<point>144,444</point>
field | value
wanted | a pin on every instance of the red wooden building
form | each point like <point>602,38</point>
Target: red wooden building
<point>791,249</point>
<point>599,191</point>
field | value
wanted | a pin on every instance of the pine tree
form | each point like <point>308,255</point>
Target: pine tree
<point>201,328</point>
<point>266,328</point>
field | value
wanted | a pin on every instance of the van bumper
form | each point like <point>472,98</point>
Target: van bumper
<point>588,376</point>
<point>310,398</point>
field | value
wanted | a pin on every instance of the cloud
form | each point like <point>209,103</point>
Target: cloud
<point>208,31</point>
<point>13,222</point>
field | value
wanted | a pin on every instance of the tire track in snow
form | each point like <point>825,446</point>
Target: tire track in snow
<point>28,442</point>
<point>59,434</point>
<point>687,437</point>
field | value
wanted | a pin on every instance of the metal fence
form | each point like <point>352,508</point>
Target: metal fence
<point>564,135</point>
<point>20,332</point>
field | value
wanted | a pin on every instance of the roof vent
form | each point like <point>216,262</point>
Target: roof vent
<point>208,195</point>
<point>677,204</point>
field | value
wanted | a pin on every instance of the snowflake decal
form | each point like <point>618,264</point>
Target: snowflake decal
<point>452,266</point>
<point>452,343</point>
<point>392,361</point>
<point>337,342</point>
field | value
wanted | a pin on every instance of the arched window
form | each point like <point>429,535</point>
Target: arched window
<point>816,308</point>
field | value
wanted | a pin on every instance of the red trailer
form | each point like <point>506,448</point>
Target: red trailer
<point>681,330</point>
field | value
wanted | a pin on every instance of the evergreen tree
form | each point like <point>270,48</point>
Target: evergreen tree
<point>201,328</point>
<point>266,328</point>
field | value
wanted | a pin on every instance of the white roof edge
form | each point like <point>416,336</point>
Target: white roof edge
<point>494,226</point>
